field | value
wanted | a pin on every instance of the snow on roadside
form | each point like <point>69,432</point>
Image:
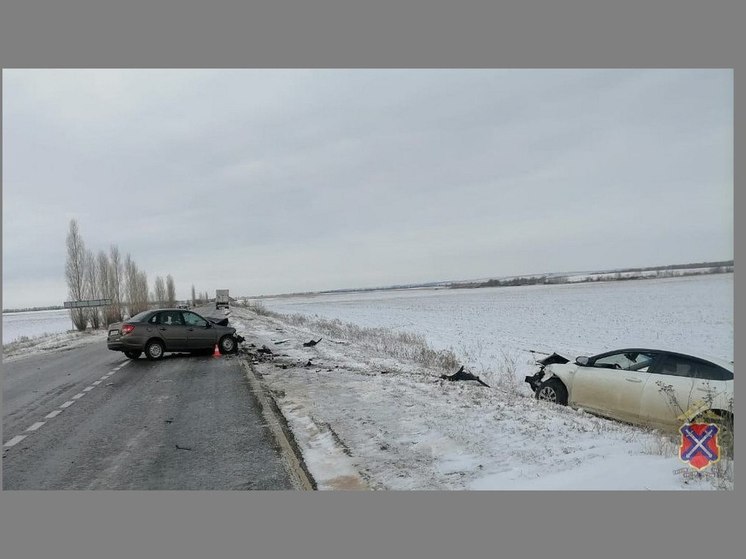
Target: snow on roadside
<point>50,342</point>
<point>402,427</point>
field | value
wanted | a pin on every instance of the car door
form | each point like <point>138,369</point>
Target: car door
<point>681,387</point>
<point>612,384</point>
<point>669,392</point>
<point>200,333</point>
<point>172,329</point>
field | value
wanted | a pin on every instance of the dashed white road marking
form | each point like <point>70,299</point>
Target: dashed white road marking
<point>14,441</point>
<point>18,438</point>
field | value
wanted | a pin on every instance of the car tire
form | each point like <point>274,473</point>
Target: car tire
<point>227,344</point>
<point>154,350</point>
<point>133,354</point>
<point>553,390</point>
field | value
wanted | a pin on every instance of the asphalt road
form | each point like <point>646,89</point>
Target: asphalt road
<point>89,418</point>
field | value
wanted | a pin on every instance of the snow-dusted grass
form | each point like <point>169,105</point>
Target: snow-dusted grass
<point>28,345</point>
<point>402,427</point>
<point>380,341</point>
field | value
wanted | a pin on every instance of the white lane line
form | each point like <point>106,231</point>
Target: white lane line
<point>78,395</point>
<point>55,413</point>
<point>36,425</point>
<point>67,404</point>
<point>96,382</point>
<point>14,441</point>
<point>88,388</point>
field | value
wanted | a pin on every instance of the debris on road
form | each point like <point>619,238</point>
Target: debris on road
<point>463,375</point>
<point>311,343</point>
<point>182,447</point>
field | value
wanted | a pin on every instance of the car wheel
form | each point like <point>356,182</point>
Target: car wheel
<point>133,354</point>
<point>154,350</point>
<point>227,344</point>
<point>724,421</point>
<point>552,391</point>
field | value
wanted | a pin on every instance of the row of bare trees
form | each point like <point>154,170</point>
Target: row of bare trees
<point>199,299</point>
<point>109,276</point>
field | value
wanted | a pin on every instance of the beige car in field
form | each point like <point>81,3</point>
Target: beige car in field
<point>657,388</point>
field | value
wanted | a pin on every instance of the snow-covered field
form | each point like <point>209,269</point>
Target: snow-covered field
<point>50,342</point>
<point>401,427</point>
<point>34,323</point>
<point>693,314</point>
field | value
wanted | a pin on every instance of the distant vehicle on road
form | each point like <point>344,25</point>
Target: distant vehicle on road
<point>222,299</point>
<point>652,387</point>
<point>156,332</point>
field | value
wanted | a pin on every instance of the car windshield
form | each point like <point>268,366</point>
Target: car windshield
<point>629,361</point>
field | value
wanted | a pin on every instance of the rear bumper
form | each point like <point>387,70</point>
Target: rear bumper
<point>124,345</point>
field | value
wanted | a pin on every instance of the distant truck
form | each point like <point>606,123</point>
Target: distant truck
<point>222,299</point>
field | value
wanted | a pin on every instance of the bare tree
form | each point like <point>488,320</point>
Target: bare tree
<point>130,273</point>
<point>143,290</point>
<point>116,287</point>
<point>170,291</point>
<point>160,291</point>
<point>137,287</point>
<point>106,287</point>
<point>75,273</point>
<point>91,287</point>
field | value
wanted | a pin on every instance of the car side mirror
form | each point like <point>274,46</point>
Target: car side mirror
<point>582,361</point>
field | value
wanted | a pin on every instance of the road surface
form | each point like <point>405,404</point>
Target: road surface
<point>89,418</point>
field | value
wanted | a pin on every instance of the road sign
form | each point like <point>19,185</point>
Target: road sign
<point>86,304</point>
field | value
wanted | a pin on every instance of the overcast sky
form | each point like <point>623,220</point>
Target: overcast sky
<point>276,181</point>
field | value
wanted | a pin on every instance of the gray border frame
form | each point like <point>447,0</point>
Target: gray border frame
<point>535,34</point>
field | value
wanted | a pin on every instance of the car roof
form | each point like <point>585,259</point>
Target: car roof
<point>714,360</point>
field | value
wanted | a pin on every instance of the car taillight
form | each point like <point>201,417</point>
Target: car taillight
<point>127,328</point>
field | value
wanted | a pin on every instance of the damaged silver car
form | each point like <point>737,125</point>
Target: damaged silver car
<point>651,387</point>
<point>159,331</point>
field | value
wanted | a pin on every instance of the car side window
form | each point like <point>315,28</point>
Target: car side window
<point>170,318</point>
<point>676,366</point>
<point>194,320</point>
<point>708,371</point>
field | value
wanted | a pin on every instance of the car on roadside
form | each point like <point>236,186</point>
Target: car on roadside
<point>156,332</point>
<point>652,387</point>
